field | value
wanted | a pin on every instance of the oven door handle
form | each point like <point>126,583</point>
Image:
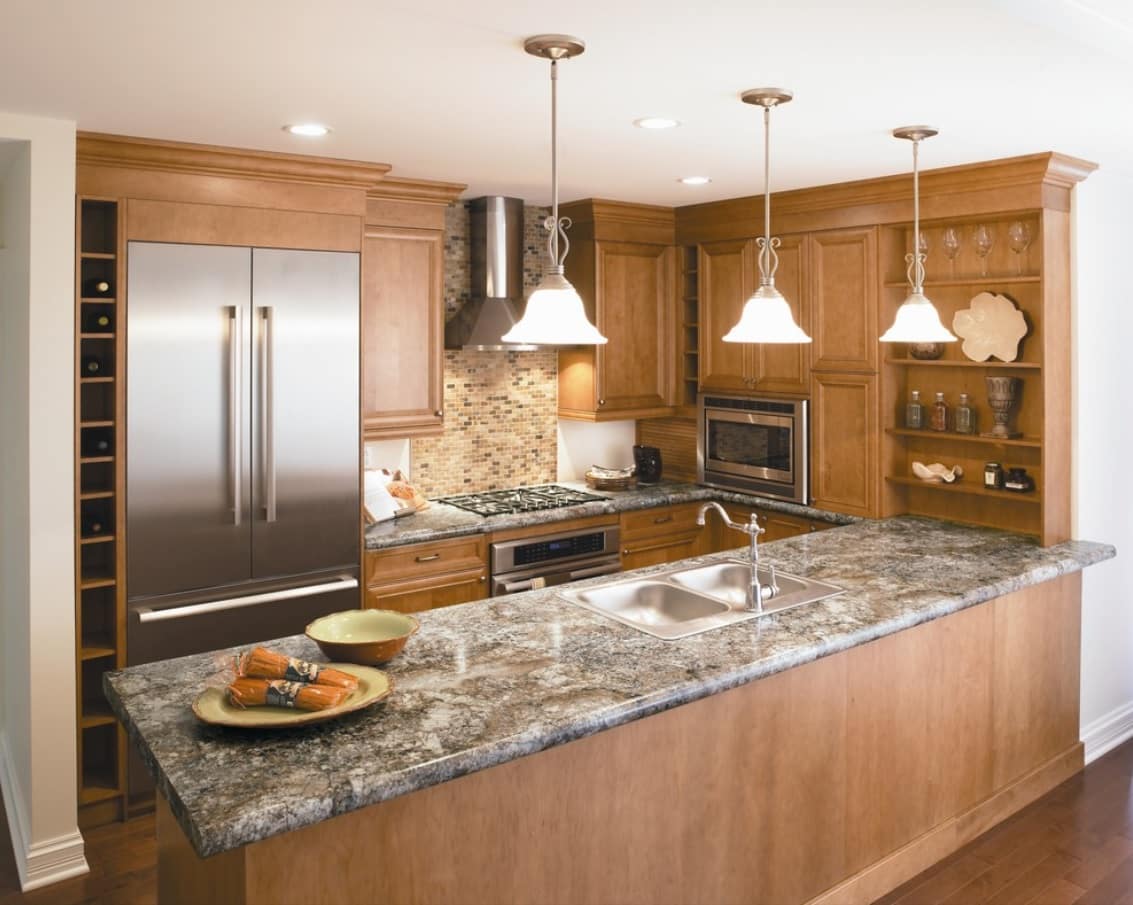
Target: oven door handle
<point>528,584</point>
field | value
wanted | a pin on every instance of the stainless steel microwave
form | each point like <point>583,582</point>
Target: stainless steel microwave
<point>753,444</point>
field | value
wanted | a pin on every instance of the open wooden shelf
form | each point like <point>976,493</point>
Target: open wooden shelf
<point>96,336</point>
<point>98,300</point>
<point>97,495</point>
<point>1025,442</point>
<point>97,539</point>
<point>97,581</point>
<point>85,380</point>
<point>92,794</point>
<point>968,490</point>
<point>98,256</point>
<point>945,363</point>
<point>988,281</point>
<point>90,460</point>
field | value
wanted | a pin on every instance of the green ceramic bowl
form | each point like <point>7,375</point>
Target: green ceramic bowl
<point>362,636</point>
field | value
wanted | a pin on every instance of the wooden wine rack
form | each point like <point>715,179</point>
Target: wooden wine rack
<point>100,612</point>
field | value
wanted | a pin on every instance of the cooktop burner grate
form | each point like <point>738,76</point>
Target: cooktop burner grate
<point>522,499</point>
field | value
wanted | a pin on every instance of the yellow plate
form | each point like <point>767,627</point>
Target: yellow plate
<point>212,705</point>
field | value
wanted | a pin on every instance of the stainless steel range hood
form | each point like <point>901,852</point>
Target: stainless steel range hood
<point>495,233</point>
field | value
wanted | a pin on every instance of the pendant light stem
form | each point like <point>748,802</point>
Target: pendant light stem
<point>768,257</point>
<point>553,226</point>
<point>918,257</point>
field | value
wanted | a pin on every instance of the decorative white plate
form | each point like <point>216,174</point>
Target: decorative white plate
<point>212,705</point>
<point>992,325</point>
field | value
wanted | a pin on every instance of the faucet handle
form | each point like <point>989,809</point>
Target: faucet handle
<point>754,528</point>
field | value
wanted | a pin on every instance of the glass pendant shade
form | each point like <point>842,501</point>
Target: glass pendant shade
<point>917,322</point>
<point>554,316</point>
<point>766,318</point>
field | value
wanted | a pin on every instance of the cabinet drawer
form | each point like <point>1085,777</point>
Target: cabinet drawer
<point>413,596</point>
<point>460,554</point>
<point>659,522</point>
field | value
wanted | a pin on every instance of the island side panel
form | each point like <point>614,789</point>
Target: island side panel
<point>754,794</point>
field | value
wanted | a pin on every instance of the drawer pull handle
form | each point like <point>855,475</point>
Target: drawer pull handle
<point>430,558</point>
<point>664,545</point>
<point>661,519</point>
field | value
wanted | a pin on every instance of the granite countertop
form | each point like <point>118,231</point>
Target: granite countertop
<point>485,683</point>
<point>440,521</point>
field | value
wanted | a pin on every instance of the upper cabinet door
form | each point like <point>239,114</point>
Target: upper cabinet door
<point>726,280</point>
<point>402,332</point>
<point>785,367</point>
<point>843,266</point>
<point>634,309</point>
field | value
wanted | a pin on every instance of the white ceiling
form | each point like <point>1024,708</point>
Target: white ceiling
<point>443,90</point>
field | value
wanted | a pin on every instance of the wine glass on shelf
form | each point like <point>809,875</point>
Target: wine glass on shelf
<point>1019,240</point>
<point>983,239</point>
<point>950,242</point>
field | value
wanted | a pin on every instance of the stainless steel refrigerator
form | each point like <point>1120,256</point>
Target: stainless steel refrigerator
<point>242,487</point>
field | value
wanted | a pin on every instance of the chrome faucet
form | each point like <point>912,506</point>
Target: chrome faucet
<point>757,592</point>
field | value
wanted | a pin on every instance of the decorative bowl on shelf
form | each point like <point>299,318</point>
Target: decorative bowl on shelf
<point>991,325</point>
<point>937,473</point>
<point>367,637</point>
<point>926,351</point>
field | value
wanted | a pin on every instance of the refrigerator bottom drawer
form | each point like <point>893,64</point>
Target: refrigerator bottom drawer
<point>162,633</point>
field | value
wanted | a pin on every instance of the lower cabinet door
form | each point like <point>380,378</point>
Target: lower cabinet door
<point>430,593</point>
<point>656,551</point>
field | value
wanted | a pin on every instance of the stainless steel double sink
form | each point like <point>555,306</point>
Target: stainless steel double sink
<point>686,601</point>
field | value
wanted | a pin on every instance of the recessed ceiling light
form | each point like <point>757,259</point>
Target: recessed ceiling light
<point>310,130</point>
<point>655,122</point>
<point>694,180</point>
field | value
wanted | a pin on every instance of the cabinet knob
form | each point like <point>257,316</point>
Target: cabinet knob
<point>439,413</point>
<point>483,577</point>
<point>601,401</point>
<point>661,519</point>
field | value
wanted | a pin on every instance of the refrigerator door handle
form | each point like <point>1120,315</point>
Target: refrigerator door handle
<point>145,614</point>
<point>267,407</point>
<point>234,410</point>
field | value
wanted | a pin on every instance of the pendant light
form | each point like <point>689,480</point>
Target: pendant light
<point>555,315</point>
<point>917,320</point>
<point>766,317</point>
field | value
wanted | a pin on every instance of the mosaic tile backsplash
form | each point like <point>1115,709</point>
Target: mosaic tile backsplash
<point>500,407</point>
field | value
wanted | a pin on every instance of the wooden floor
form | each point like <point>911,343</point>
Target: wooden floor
<point>1073,845</point>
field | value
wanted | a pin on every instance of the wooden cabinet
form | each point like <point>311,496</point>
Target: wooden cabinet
<point>402,332</point>
<point>728,274</point>
<point>844,441</point>
<point>426,576</point>
<point>623,264</point>
<point>663,534</point>
<point>403,309</point>
<point>843,291</point>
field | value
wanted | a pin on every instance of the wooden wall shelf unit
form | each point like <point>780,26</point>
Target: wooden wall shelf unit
<point>99,508</point>
<point>852,239</point>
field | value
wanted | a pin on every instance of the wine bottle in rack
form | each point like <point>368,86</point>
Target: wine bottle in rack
<point>92,366</point>
<point>98,288</point>
<point>97,443</point>
<point>98,322</point>
<point>93,525</point>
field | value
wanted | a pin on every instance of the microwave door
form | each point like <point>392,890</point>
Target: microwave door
<point>751,445</point>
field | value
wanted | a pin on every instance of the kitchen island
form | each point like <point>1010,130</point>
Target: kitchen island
<point>535,751</point>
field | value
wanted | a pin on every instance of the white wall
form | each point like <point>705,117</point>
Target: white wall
<point>1103,403</point>
<point>37,732</point>
<point>583,443</point>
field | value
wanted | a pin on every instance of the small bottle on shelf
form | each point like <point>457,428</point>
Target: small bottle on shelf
<point>939,418</point>
<point>965,416</point>
<point>914,411</point>
<point>993,476</point>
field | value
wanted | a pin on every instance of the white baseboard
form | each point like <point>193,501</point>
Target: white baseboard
<point>1107,732</point>
<point>38,863</point>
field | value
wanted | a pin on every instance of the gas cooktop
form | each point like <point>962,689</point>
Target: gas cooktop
<point>522,499</point>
